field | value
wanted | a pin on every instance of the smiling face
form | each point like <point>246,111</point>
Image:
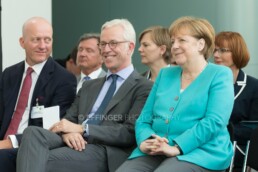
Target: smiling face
<point>185,48</point>
<point>37,40</point>
<point>149,51</point>
<point>118,57</point>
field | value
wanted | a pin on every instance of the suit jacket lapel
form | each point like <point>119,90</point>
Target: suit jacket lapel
<point>16,83</point>
<point>92,94</point>
<point>123,90</point>
<point>240,83</point>
<point>44,77</point>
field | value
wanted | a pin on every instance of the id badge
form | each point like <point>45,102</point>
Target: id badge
<point>37,112</point>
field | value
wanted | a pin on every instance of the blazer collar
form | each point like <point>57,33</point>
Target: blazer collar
<point>240,83</point>
<point>123,90</point>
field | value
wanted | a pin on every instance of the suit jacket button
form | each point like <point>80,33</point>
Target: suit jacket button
<point>176,98</point>
<point>171,109</point>
<point>81,118</point>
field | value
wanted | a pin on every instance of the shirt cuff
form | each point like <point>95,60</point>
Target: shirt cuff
<point>14,141</point>
<point>86,130</point>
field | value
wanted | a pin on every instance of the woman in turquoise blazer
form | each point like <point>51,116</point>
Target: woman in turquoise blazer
<point>183,125</point>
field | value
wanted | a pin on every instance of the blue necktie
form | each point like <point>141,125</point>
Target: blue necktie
<point>86,78</point>
<point>97,117</point>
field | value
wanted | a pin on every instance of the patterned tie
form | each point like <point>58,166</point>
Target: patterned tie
<point>21,104</point>
<point>97,117</point>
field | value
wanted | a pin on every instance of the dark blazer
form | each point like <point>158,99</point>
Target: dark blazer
<point>116,132</point>
<point>102,74</point>
<point>245,106</point>
<point>55,86</point>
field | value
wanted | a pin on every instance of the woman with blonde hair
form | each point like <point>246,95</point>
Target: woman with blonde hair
<point>154,49</point>
<point>183,125</point>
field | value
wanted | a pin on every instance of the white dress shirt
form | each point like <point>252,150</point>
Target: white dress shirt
<point>25,118</point>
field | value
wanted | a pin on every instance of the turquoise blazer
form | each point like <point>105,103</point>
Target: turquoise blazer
<point>196,119</point>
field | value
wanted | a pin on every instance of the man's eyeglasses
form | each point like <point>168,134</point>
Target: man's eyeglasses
<point>111,44</point>
<point>221,50</point>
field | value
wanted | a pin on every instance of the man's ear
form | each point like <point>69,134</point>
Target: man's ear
<point>131,47</point>
<point>21,40</point>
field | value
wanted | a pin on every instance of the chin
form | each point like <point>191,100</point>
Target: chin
<point>218,63</point>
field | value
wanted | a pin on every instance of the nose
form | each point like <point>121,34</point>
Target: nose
<point>174,47</point>
<point>140,49</point>
<point>42,44</point>
<point>216,53</point>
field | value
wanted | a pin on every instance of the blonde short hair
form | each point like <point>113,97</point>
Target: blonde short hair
<point>199,28</point>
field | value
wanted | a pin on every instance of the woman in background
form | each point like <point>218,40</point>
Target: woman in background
<point>231,51</point>
<point>183,125</point>
<point>154,49</point>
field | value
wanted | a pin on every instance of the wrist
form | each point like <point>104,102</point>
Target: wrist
<point>82,129</point>
<point>179,149</point>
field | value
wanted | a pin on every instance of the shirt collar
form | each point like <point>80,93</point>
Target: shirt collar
<point>124,73</point>
<point>37,68</point>
<point>92,75</point>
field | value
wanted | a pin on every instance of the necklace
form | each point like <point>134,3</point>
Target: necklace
<point>190,77</point>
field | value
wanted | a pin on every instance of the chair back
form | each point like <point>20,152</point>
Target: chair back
<point>253,150</point>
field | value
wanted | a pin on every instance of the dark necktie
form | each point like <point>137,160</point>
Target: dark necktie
<point>21,104</point>
<point>86,78</point>
<point>97,117</point>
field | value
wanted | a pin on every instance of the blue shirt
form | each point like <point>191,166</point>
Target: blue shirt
<point>122,76</point>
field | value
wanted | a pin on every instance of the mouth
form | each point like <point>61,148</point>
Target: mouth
<point>108,56</point>
<point>218,61</point>
<point>41,54</point>
<point>177,54</point>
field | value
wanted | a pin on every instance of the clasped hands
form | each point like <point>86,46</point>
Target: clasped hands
<point>71,134</point>
<point>158,146</point>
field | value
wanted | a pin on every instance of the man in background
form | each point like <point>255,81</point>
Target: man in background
<point>70,63</point>
<point>89,58</point>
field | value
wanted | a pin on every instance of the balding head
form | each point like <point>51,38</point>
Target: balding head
<point>37,40</point>
<point>35,21</point>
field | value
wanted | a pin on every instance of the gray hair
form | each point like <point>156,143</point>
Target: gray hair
<point>129,32</point>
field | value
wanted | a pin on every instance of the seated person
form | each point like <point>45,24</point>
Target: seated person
<point>183,125</point>
<point>89,58</point>
<point>70,63</point>
<point>45,84</point>
<point>231,51</point>
<point>155,47</point>
<point>97,132</point>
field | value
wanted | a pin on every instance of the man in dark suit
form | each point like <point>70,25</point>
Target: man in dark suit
<point>89,58</point>
<point>88,140</point>
<point>51,85</point>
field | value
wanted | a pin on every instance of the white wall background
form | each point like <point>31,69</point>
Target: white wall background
<point>14,14</point>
